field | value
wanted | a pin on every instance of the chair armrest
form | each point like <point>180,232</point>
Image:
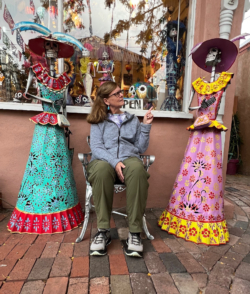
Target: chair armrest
<point>85,158</point>
<point>147,160</point>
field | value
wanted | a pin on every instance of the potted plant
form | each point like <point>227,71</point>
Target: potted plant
<point>234,158</point>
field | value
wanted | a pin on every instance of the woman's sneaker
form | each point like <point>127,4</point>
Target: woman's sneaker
<point>101,240</point>
<point>135,247</point>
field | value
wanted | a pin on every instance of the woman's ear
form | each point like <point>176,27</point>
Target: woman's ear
<point>105,100</point>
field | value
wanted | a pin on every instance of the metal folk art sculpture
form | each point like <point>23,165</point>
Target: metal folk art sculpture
<point>195,209</point>
<point>87,68</point>
<point>171,35</point>
<point>47,200</point>
<point>105,56</point>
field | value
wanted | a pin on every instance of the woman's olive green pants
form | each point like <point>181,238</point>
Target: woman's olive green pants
<point>102,177</point>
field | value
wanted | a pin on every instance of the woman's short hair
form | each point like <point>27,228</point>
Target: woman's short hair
<point>99,109</point>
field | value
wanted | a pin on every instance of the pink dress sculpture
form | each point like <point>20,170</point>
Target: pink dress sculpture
<point>195,209</point>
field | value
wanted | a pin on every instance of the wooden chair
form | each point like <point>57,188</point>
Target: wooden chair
<point>85,159</point>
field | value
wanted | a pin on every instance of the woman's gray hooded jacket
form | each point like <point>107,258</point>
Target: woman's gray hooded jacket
<point>113,144</point>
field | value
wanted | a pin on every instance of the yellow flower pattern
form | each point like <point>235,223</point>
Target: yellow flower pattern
<point>193,149</point>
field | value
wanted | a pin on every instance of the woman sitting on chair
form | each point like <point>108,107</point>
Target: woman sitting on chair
<point>116,140</point>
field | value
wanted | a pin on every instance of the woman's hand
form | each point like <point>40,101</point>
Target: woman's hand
<point>148,118</point>
<point>118,169</point>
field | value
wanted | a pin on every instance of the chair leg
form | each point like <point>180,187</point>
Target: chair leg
<point>86,217</point>
<point>145,227</point>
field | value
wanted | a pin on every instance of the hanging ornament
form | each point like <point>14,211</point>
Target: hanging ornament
<point>53,12</point>
<point>88,46</point>
<point>41,12</point>
<point>76,19</point>
<point>133,4</point>
<point>128,67</point>
<point>1,78</point>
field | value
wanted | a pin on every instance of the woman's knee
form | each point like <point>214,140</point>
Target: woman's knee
<point>137,170</point>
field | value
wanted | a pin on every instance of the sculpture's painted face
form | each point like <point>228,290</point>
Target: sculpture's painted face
<point>105,55</point>
<point>51,49</point>
<point>213,57</point>
<point>85,53</point>
<point>173,33</point>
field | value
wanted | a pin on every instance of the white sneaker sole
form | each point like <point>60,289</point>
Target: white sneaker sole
<point>133,253</point>
<point>97,253</point>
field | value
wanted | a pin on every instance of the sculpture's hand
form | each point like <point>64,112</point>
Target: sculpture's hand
<point>206,103</point>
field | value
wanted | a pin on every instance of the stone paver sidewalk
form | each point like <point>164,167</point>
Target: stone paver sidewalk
<point>56,264</point>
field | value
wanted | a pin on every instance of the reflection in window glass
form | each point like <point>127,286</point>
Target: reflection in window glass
<point>140,44</point>
<point>15,56</point>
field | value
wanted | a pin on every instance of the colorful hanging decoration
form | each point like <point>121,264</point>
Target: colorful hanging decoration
<point>88,46</point>
<point>1,78</point>
<point>41,12</point>
<point>32,6</point>
<point>128,67</point>
<point>74,9</point>
<point>19,40</point>
<point>8,18</point>
<point>6,40</point>
<point>76,19</point>
<point>53,12</point>
<point>19,55</point>
<point>133,4</point>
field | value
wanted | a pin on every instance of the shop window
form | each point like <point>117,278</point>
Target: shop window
<point>140,44</point>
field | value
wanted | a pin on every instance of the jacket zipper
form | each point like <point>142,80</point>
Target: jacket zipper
<point>118,141</point>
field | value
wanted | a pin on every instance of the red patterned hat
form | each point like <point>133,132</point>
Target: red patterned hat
<point>37,46</point>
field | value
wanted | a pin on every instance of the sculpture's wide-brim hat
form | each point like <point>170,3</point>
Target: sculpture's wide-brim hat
<point>37,46</point>
<point>229,52</point>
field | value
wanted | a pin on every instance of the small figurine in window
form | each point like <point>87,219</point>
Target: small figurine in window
<point>105,56</point>
<point>87,70</point>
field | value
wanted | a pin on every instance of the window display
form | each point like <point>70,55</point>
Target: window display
<point>139,44</point>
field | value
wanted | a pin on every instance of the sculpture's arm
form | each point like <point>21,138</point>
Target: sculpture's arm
<point>191,99</point>
<point>101,71</point>
<point>30,78</point>
<point>64,102</point>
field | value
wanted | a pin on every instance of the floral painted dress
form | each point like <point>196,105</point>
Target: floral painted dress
<point>47,201</point>
<point>195,209</point>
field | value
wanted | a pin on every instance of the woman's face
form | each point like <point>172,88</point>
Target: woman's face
<point>115,99</point>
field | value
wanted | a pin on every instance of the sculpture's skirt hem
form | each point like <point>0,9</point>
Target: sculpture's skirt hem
<point>50,223</point>
<point>208,233</point>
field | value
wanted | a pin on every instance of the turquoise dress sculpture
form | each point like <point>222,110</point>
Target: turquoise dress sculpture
<point>47,201</point>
